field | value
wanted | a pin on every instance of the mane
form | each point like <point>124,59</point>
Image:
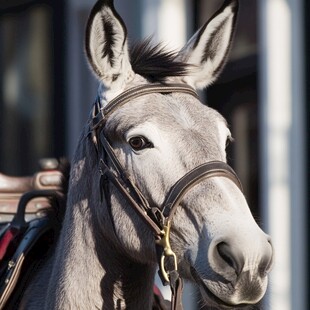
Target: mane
<point>154,63</point>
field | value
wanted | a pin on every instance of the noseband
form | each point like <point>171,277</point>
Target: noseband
<point>157,218</point>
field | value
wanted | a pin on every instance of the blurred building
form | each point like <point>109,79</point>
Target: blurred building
<point>46,91</point>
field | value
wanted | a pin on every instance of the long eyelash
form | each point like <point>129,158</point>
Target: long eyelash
<point>150,145</point>
<point>230,138</point>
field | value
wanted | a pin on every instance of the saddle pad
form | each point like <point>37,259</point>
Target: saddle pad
<point>7,239</point>
<point>14,266</point>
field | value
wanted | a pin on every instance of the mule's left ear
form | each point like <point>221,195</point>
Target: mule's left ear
<point>208,49</point>
<point>106,45</point>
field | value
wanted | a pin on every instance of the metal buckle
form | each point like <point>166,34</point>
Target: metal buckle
<point>164,242</point>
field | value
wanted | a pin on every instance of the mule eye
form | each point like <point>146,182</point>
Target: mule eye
<point>140,143</point>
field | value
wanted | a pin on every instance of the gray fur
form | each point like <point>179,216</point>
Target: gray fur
<point>107,260</point>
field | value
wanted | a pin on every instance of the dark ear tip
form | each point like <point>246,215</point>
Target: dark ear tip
<point>101,3</point>
<point>104,2</point>
<point>234,4</point>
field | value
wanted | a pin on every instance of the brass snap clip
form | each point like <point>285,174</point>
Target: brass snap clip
<point>164,242</point>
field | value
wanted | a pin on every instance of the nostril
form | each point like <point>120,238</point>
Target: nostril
<point>232,256</point>
<point>224,252</point>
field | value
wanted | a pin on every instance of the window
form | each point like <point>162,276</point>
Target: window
<point>28,92</point>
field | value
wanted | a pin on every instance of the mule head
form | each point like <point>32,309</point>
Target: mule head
<point>158,138</point>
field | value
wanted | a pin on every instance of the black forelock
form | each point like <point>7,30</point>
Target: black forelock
<point>155,63</point>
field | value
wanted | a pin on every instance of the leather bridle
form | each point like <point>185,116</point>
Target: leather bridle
<point>157,218</point>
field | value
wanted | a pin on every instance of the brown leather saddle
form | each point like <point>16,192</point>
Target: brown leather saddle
<point>49,177</point>
<point>30,217</point>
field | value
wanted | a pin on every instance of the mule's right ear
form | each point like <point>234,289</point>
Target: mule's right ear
<point>106,45</point>
<point>208,49</point>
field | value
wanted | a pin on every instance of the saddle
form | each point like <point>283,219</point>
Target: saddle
<point>50,177</point>
<point>30,217</point>
<point>31,213</point>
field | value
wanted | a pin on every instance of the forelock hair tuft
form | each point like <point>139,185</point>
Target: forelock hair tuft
<point>154,63</point>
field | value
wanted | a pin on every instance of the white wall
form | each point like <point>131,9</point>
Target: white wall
<point>283,153</point>
<point>168,21</point>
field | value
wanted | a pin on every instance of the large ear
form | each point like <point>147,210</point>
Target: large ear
<point>106,45</point>
<point>208,49</point>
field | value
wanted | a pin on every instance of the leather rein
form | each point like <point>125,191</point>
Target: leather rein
<point>157,218</point>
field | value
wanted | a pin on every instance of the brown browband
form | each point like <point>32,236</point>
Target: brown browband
<point>101,114</point>
<point>157,218</point>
